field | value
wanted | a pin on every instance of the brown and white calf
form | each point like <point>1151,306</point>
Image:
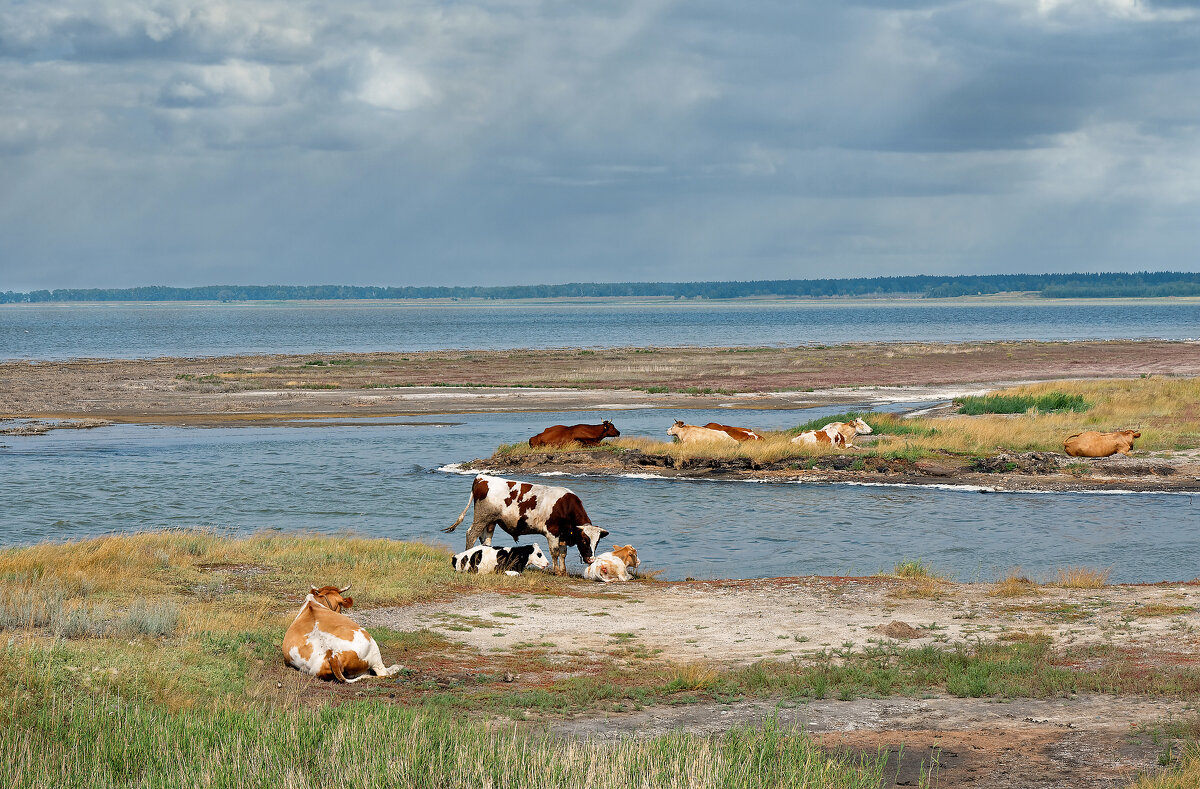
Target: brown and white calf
<point>736,433</point>
<point>613,565</point>
<point>849,430</point>
<point>524,508</point>
<point>691,434</point>
<point>824,437</point>
<point>325,643</point>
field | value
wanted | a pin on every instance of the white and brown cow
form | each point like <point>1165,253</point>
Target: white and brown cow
<point>510,561</point>
<point>325,643</point>
<point>849,430</point>
<point>613,565</point>
<point>691,434</point>
<point>825,437</point>
<point>524,508</point>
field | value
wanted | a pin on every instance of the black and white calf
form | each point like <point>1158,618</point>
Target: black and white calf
<point>510,561</point>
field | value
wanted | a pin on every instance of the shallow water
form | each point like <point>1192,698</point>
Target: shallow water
<point>382,480</point>
<point>142,330</point>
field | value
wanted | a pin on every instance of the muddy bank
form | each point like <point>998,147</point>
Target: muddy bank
<point>265,388</point>
<point>1023,471</point>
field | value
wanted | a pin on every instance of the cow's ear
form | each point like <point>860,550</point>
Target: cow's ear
<point>312,589</point>
<point>603,533</point>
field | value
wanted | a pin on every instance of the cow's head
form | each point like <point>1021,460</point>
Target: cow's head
<point>590,537</point>
<point>538,559</point>
<point>609,429</point>
<point>332,597</point>
<point>627,554</point>
<point>675,429</point>
<point>1132,434</point>
<point>861,426</point>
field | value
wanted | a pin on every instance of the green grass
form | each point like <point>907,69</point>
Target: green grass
<point>1047,403</point>
<point>109,741</point>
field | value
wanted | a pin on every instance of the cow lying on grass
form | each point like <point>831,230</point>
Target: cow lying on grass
<point>324,643</point>
<point>1094,444</point>
<point>691,434</point>
<point>849,430</point>
<point>736,433</point>
<point>523,508</point>
<point>588,435</point>
<point>612,566</point>
<point>510,561</point>
<point>825,437</point>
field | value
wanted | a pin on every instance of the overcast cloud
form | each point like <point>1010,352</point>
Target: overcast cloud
<point>189,142</point>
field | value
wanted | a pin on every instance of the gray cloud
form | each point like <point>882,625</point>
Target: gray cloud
<point>190,142</point>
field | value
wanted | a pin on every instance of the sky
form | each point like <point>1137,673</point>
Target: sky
<point>375,142</point>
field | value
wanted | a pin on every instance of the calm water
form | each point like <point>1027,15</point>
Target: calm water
<point>382,480</point>
<point>58,331</point>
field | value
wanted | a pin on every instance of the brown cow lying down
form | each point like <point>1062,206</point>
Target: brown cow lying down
<point>849,430</point>
<point>1094,444</point>
<point>691,434</point>
<point>588,435</point>
<point>324,643</point>
<point>736,433</point>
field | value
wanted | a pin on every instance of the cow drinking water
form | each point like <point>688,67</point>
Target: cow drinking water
<point>524,508</point>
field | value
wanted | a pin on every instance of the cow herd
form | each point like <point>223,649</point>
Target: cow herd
<point>325,643</point>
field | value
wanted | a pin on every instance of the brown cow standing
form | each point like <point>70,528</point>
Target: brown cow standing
<point>588,435</point>
<point>736,433</point>
<point>1094,444</point>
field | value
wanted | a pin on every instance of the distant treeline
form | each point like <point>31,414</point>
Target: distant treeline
<point>1146,283</point>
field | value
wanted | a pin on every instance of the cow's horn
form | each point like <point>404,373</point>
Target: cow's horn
<point>344,589</point>
<point>312,589</point>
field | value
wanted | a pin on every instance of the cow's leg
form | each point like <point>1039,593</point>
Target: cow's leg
<point>479,525</point>
<point>374,662</point>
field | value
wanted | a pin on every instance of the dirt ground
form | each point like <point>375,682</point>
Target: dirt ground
<point>255,389</point>
<point>1074,741</point>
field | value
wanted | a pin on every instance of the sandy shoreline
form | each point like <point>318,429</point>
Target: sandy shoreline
<point>267,389</point>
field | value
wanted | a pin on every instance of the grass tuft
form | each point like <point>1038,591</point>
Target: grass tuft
<point>1083,578</point>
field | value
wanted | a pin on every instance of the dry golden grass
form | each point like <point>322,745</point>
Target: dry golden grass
<point>1165,410</point>
<point>924,588</point>
<point>1083,578</point>
<point>1014,584</point>
<point>1184,775</point>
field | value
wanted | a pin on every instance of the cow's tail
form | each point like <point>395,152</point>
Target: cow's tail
<point>454,525</point>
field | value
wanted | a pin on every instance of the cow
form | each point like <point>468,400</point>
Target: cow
<point>510,561</point>
<point>821,438</point>
<point>691,434</point>
<point>613,565</point>
<point>588,435</point>
<point>1094,444</point>
<point>849,430</point>
<point>736,433</point>
<point>523,508</point>
<point>325,643</point>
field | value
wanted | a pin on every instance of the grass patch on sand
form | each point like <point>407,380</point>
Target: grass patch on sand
<point>1046,403</point>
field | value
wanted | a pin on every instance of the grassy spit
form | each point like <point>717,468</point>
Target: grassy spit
<point>153,659</point>
<point>1165,410</point>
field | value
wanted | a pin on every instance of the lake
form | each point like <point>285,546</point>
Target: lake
<point>144,330</point>
<point>383,480</point>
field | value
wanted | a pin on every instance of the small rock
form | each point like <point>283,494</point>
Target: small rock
<point>935,470</point>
